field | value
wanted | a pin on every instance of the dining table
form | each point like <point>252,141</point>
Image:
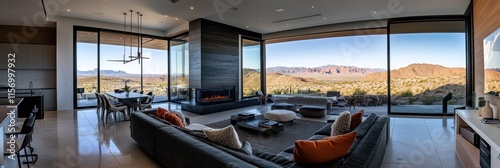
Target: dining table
<point>129,100</point>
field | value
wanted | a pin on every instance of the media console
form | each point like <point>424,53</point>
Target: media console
<point>489,151</point>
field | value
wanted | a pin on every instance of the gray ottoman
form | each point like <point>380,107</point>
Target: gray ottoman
<point>280,115</point>
<point>312,111</point>
<point>283,106</point>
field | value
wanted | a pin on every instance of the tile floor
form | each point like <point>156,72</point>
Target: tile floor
<point>79,139</point>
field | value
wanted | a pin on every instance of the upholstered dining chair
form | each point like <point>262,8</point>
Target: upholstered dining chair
<point>111,108</point>
<point>100,105</point>
<point>145,104</point>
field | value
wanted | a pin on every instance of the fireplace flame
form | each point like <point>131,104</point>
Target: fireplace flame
<point>215,97</point>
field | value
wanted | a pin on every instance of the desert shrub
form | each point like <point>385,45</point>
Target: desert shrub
<point>406,93</point>
<point>428,100</point>
<point>411,100</point>
<point>359,91</point>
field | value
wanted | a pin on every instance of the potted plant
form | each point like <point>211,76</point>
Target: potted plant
<point>126,89</point>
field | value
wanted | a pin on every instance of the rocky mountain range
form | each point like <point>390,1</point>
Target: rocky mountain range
<point>324,70</point>
<point>418,71</point>
<point>103,72</point>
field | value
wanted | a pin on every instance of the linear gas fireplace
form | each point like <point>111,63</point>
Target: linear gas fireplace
<point>215,95</point>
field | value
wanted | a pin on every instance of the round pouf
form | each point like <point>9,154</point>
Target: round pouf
<point>280,115</point>
<point>285,106</point>
<point>312,111</point>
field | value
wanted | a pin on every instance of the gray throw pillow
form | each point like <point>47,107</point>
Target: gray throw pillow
<point>342,124</point>
<point>246,148</point>
<point>226,136</point>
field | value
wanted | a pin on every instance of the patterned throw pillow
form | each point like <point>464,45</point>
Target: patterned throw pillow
<point>356,119</point>
<point>323,150</point>
<point>342,125</point>
<point>226,136</point>
<point>173,119</point>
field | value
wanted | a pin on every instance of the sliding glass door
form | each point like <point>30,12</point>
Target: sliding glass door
<point>179,68</point>
<point>427,62</point>
<point>250,63</point>
<point>86,68</point>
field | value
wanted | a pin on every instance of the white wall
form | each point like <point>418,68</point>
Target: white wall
<point>64,86</point>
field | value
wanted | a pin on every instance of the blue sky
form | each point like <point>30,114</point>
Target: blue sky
<point>447,49</point>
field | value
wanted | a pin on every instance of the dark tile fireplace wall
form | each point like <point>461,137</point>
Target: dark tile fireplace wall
<point>214,54</point>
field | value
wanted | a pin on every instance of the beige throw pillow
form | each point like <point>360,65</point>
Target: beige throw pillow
<point>226,136</point>
<point>342,124</point>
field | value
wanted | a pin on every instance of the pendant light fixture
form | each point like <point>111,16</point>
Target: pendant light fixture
<point>139,56</point>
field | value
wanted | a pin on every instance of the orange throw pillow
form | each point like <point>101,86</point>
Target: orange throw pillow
<point>356,119</point>
<point>323,150</point>
<point>161,111</point>
<point>173,119</point>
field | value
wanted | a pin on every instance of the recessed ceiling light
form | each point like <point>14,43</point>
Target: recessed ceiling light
<point>312,7</point>
<point>280,10</point>
<point>191,7</point>
<point>248,27</point>
<point>68,10</point>
<point>324,18</point>
<point>176,18</point>
<point>287,24</point>
<point>258,18</point>
<point>375,12</point>
<point>166,16</point>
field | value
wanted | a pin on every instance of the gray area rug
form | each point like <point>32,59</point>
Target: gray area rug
<point>301,129</point>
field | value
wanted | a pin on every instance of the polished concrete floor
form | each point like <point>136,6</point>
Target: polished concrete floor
<point>79,139</point>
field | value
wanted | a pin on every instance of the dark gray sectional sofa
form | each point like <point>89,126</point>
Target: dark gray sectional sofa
<point>171,146</point>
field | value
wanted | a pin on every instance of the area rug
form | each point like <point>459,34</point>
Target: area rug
<point>301,129</point>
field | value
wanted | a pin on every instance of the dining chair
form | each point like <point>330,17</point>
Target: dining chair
<point>21,144</point>
<point>111,108</point>
<point>145,104</point>
<point>100,105</point>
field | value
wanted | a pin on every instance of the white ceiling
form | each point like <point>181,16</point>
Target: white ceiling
<point>257,15</point>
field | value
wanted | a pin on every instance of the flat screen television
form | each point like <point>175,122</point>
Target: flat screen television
<point>492,63</point>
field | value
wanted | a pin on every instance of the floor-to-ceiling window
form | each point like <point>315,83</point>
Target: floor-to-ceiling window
<point>354,67</point>
<point>427,62</point>
<point>106,60</point>
<point>179,68</point>
<point>250,61</point>
<point>86,68</point>
<point>155,68</point>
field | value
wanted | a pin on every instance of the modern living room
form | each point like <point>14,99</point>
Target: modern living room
<point>389,83</point>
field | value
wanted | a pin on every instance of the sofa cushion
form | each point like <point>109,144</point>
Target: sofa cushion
<point>342,124</point>
<point>356,119</point>
<point>226,136</point>
<point>363,128</point>
<point>323,150</point>
<point>246,148</point>
<point>326,130</point>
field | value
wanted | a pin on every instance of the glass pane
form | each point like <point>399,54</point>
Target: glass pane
<point>86,66</point>
<point>155,69</point>
<point>339,68</point>
<point>425,67</point>
<point>117,63</point>
<point>251,67</point>
<point>179,76</point>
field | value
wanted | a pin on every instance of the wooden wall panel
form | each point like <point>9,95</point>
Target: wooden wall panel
<point>43,35</point>
<point>486,20</point>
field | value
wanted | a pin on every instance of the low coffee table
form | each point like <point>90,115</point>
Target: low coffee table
<point>253,124</point>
